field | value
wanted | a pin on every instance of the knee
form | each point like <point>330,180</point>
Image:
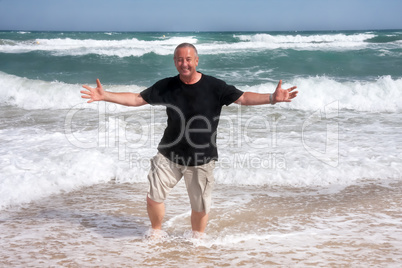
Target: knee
<point>152,203</point>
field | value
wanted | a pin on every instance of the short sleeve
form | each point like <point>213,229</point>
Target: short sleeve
<point>147,95</point>
<point>230,94</point>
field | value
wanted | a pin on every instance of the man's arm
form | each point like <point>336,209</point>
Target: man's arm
<point>280,95</point>
<point>98,94</point>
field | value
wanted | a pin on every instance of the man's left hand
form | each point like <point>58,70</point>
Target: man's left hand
<point>284,95</point>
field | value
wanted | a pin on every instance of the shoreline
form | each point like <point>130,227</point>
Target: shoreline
<point>105,224</point>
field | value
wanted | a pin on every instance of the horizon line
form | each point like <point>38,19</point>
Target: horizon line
<point>206,31</point>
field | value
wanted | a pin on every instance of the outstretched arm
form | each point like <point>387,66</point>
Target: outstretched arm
<point>98,94</point>
<point>280,95</point>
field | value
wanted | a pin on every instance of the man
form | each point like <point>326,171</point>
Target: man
<point>188,147</point>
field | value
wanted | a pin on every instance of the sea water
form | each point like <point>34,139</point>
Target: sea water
<point>316,181</point>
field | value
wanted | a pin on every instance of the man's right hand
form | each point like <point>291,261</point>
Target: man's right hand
<point>123,98</point>
<point>94,94</point>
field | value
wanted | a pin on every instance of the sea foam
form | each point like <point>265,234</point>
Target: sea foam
<point>76,47</point>
<point>133,47</point>
<point>34,94</point>
<point>381,95</point>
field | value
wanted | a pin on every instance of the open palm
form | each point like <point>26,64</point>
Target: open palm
<point>94,94</point>
<point>284,95</point>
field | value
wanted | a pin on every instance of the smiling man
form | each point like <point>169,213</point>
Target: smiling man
<point>188,150</point>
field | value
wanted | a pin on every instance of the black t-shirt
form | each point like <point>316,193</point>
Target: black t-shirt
<point>193,115</point>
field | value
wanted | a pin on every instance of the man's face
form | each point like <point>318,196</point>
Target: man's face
<point>186,61</point>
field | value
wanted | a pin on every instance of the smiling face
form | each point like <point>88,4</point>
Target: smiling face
<point>186,62</point>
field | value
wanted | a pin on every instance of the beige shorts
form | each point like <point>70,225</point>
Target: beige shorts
<point>165,174</point>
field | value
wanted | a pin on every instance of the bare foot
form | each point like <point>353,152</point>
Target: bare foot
<point>155,235</point>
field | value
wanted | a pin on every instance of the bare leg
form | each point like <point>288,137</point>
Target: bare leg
<point>199,221</point>
<point>156,212</point>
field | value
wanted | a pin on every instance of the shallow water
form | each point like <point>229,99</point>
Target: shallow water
<point>104,225</point>
<point>314,182</point>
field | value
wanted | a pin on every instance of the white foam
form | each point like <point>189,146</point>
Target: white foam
<point>37,94</point>
<point>165,46</point>
<point>38,159</point>
<point>381,95</point>
<point>299,39</point>
<point>263,41</point>
<point>75,47</point>
<point>37,163</point>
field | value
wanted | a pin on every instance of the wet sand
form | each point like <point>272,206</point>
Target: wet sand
<point>104,225</point>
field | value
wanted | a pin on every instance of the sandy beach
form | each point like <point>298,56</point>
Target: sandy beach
<point>104,226</point>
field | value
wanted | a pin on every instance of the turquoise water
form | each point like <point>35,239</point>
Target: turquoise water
<point>350,86</point>
<point>313,182</point>
<point>241,58</point>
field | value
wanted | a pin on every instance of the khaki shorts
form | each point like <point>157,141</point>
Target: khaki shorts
<point>165,174</point>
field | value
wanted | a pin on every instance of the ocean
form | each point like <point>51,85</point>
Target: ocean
<point>313,182</point>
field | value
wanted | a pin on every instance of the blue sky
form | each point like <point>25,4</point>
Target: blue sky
<point>201,15</point>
